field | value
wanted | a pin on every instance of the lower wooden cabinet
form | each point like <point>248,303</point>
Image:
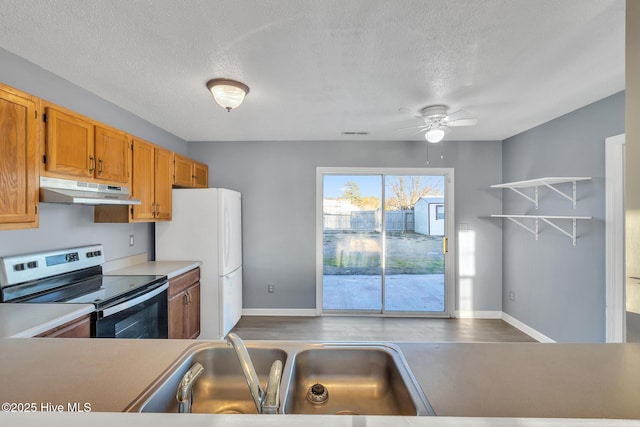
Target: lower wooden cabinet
<point>77,328</point>
<point>184,305</point>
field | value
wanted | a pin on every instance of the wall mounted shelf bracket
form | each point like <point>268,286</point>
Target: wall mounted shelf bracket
<point>547,182</point>
<point>573,235</point>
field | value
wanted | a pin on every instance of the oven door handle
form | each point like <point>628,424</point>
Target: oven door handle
<point>137,300</point>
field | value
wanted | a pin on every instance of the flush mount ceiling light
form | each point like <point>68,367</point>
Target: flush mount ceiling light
<point>436,133</point>
<point>228,93</point>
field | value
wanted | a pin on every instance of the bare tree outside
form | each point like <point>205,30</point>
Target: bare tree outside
<point>407,190</point>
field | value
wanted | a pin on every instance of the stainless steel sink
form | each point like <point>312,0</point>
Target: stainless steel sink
<point>222,388</point>
<point>359,378</point>
<point>352,380</point>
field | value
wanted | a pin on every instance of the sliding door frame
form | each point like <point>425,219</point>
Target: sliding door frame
<point>450,256</point>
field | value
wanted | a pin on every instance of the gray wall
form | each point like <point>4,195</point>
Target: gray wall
<point>560,289</point>
<point>277,180</point>
<point>61,225</point>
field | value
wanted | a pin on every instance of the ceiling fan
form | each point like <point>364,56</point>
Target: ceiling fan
<point>438,122</point>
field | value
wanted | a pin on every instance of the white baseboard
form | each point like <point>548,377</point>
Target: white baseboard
<point>475,314</point>
<point>526,329</point>
<point>279,312</point>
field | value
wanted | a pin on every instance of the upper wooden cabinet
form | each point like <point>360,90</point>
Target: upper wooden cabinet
<point>79,148</point>
<point>18,159</point>
<point>151,184</point>
<point>201,175</point>
<point>113,155</point>
<point>189,173</point>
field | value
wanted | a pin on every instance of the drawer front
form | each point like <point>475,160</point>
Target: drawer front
<point>179,283</point>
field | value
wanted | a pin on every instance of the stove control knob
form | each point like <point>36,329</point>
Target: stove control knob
<point>32,264</point>
<point>18,267</point>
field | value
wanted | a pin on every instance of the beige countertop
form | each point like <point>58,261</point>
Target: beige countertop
<point>159,268</point>
<point>26,320</point>
<point>528,379</point>
<point>460,380</point>
<point>107,374</point>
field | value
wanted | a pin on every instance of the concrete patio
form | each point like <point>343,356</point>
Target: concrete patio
<point>422,293</point>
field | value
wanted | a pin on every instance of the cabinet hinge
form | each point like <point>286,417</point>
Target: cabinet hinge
<point>44,117</point>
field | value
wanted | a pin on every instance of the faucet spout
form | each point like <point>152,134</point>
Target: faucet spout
<point>184,395</point>
<point>271,402</point>
<point>266,402</point>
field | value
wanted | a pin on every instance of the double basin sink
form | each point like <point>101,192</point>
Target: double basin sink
<point>317,378</point>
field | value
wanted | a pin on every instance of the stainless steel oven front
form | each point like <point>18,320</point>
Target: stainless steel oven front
<point>144,316</point>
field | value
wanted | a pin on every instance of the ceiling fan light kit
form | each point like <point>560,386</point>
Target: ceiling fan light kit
<point>436,134</point>
<point>229,94</point>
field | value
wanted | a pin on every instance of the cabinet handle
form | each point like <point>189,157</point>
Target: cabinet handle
<point>185,299</point>
<point>92,164</point>
<point>158,209</point>
<point>153,210</point>
<point>100,167</point>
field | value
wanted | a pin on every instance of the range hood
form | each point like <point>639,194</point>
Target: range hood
<point>56,190</point>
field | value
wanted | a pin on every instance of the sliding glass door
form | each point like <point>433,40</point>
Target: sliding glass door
<point>384,245</point>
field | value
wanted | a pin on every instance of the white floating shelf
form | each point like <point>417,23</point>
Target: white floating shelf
<point>548,182</point>
<point>549,220</point>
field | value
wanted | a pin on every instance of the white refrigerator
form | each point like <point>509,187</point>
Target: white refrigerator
<point>206,226</point>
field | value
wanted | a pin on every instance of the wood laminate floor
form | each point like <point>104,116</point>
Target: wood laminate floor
<point>330,328</point>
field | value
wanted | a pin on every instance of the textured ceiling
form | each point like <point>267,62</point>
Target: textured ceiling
<point>317,68</point>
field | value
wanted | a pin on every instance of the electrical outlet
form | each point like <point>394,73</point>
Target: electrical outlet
<point>131,240</point>
<point>271,288</point>
<point>512,296</point>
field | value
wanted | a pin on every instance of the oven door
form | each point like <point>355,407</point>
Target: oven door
<point>144,316</point>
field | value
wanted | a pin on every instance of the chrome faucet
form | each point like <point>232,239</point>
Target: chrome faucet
<point>184,395</point>
<point>267,402</point>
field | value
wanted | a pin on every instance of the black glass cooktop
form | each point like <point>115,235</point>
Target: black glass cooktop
<point>98,290</point>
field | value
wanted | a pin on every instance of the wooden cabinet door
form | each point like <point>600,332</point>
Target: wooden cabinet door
<point>18,160</point>
<point>200,175</point>
<point>182,171</point>
<point>69,145</point>
<point>193,312</point>
<point>163,179</point>
<point>143,180</point>
<point>113,155</point>
<point>176,313</point>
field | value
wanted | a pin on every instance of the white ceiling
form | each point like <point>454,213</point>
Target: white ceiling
<point>317,68</point>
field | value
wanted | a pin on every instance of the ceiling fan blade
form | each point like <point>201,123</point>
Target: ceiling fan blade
<point>421,127</point>
<point>461,122</point>
<point>457,114</point>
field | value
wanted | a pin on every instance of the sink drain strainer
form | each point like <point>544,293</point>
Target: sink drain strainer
<point>317,394</point>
